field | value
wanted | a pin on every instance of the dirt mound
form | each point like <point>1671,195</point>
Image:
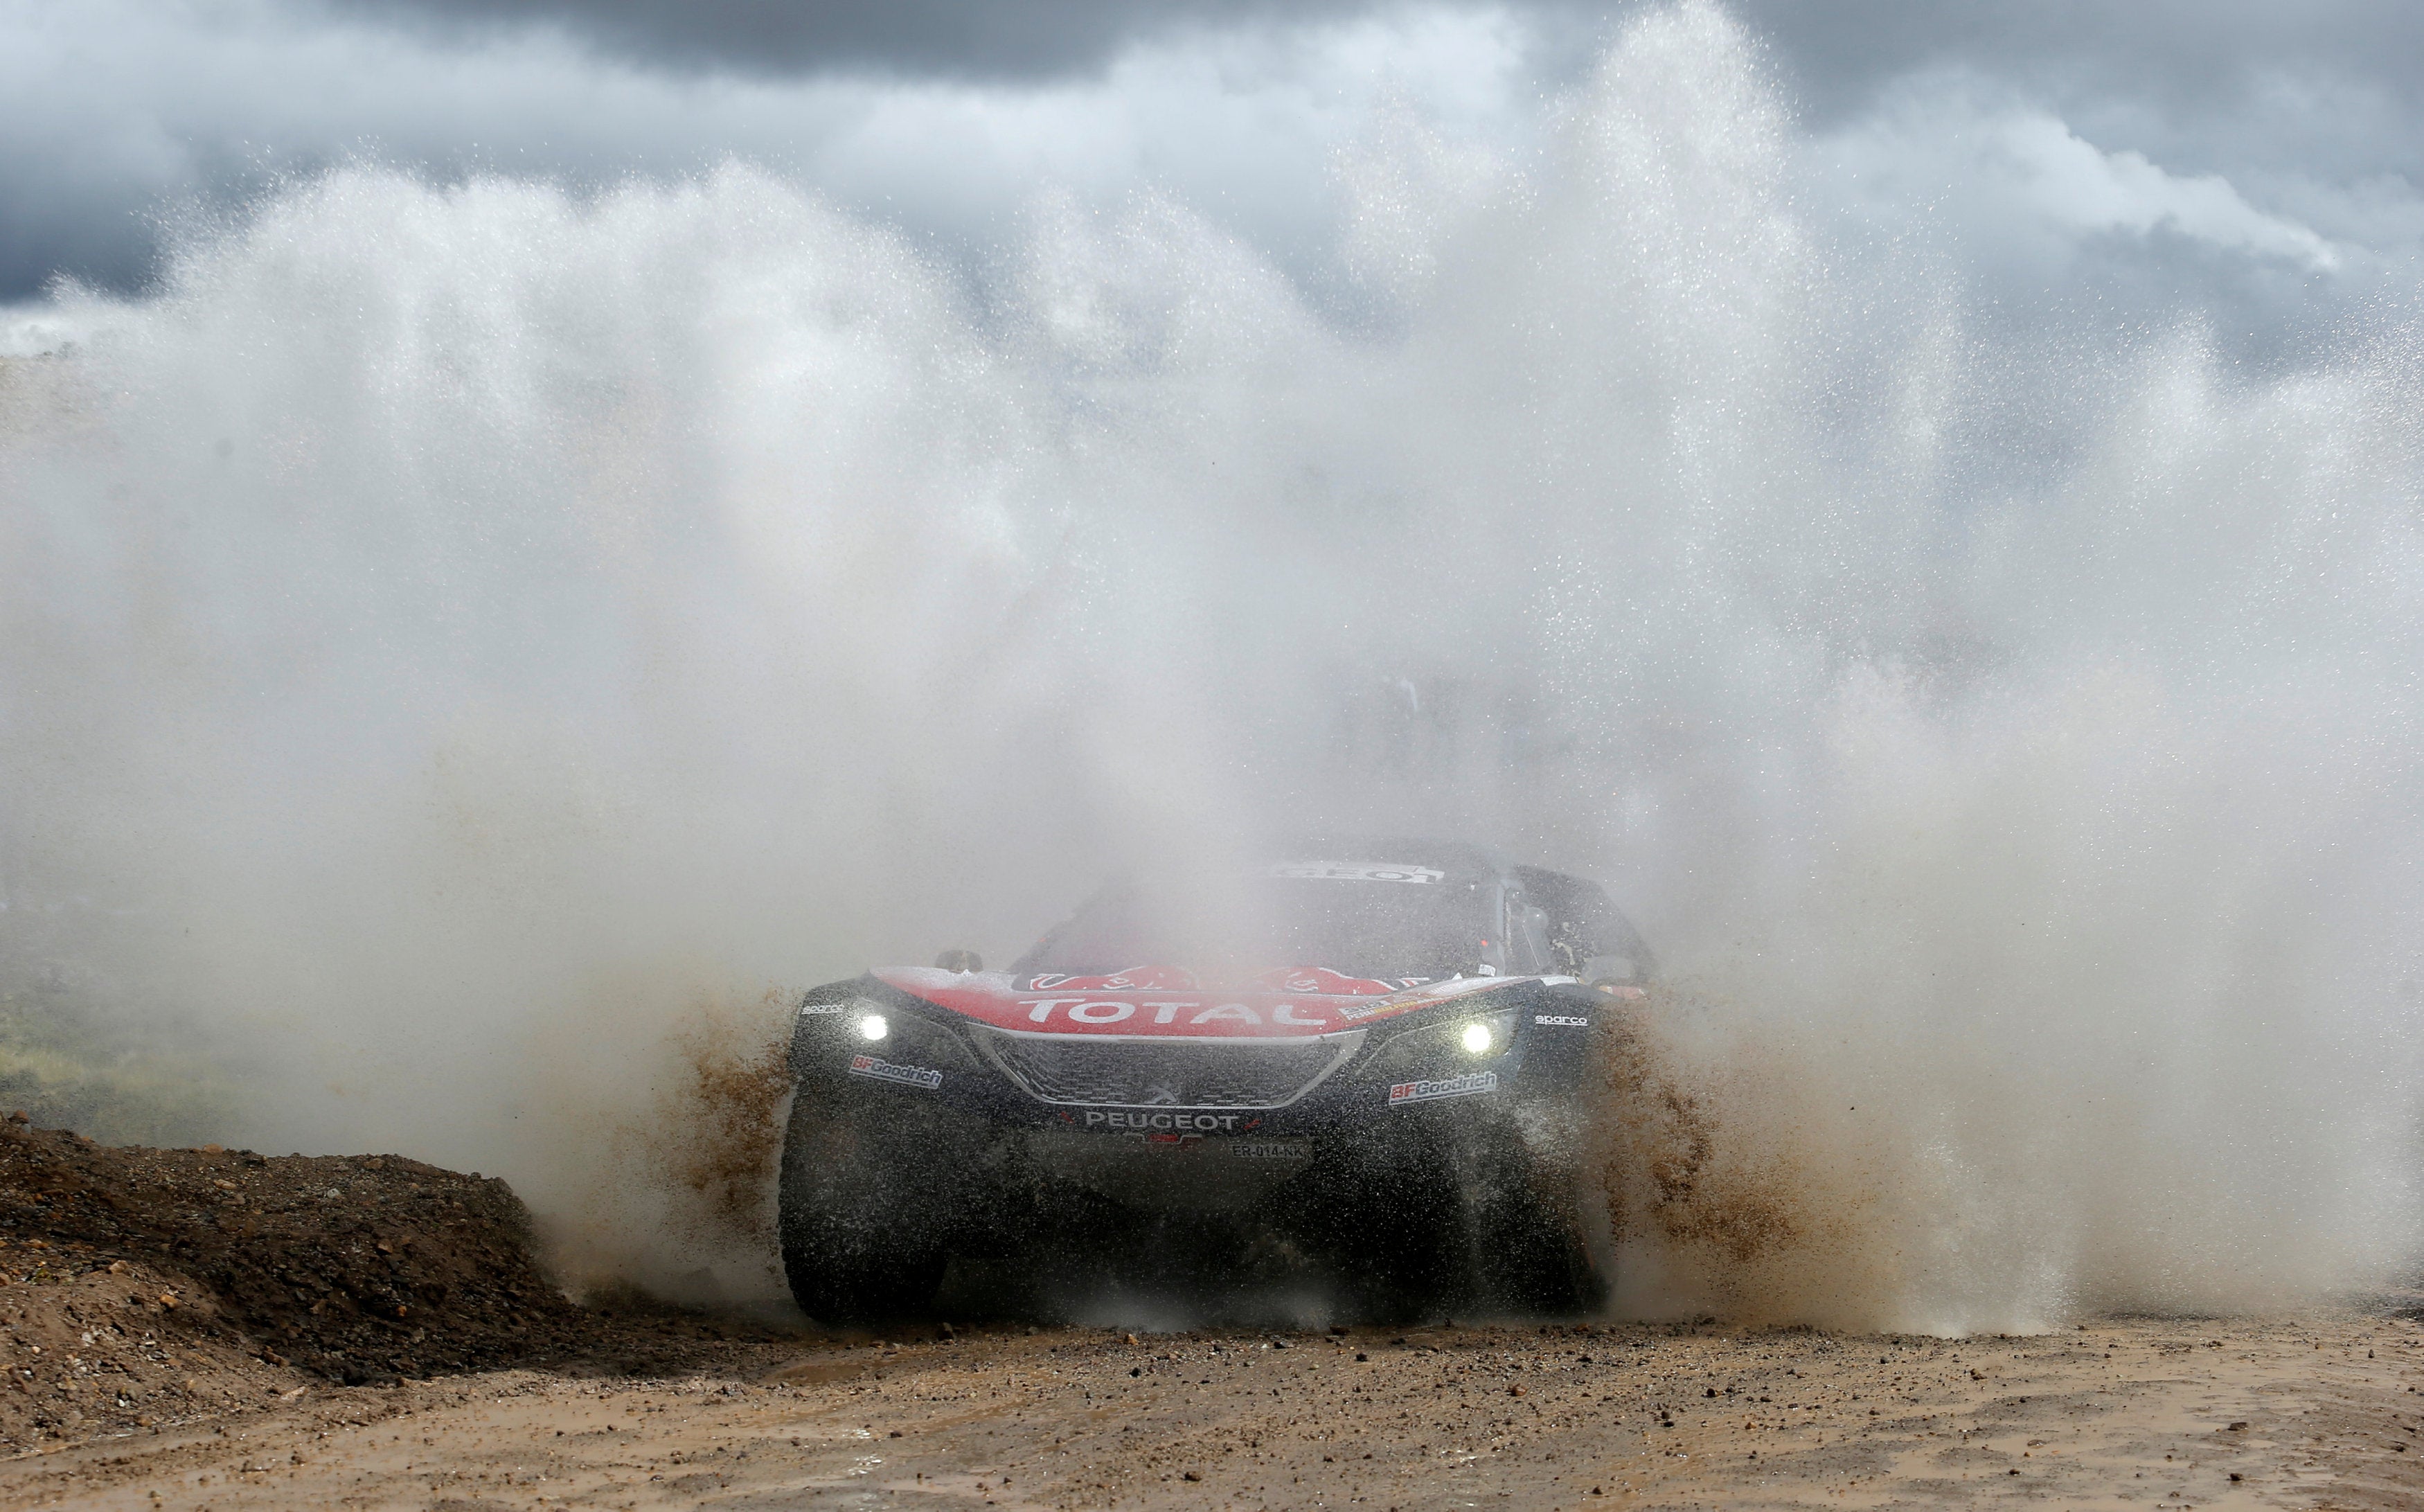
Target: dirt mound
<point>141,1286</point>
<point>95,1346</point>
<point>355,1267</point>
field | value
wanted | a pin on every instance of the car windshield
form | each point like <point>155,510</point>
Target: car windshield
<point>1394,924</point>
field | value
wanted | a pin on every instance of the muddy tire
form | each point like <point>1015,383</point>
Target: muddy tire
<point>1385,1214</point>
<point>1532,1254</point>
<point>1424,1227</point>
<point>1405,1263</point>
<point>1531,1258</point>
<point>862,1214</point>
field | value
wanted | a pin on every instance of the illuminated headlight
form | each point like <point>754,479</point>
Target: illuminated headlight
<point>1445,1049</point>
<point>872,1027</point>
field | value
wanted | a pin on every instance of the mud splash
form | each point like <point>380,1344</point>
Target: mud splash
<point>1667,1171</point>
<point>1728,1193</point>
<point>716,1133</point>
<point>674,1196</point>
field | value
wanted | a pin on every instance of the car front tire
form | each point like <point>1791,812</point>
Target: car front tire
<point>862,1212</point>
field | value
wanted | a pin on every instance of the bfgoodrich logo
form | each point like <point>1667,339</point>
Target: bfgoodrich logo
<point>1423,1092</point>
<point>887,1071</point>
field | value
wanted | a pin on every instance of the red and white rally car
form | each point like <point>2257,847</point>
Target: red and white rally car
<point>1365,1065</point>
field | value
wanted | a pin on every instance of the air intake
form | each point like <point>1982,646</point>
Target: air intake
<point>1099,1071</point>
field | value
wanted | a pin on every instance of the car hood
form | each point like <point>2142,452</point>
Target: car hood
<point>1093,1005</point>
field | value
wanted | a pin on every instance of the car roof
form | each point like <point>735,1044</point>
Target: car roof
<point>1459,859</point>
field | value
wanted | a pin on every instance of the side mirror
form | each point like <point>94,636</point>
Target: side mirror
<point>962,960</point>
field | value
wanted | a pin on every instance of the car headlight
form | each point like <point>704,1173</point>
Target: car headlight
<point>1442,1049</point>
<point>854,1026</point>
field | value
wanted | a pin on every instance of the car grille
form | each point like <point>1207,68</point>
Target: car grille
<point>1112,1073</point>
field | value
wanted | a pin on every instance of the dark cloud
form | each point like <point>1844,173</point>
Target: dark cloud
<point>103,239</point>
<point>1839,52</point>
<point>114,110</point>
<point>960,39</point>
<point>2196,81</point>
<point>2183,50</point>
<point>2327,88</point>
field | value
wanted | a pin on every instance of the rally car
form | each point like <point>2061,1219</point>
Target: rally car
<point>1372,1060</point>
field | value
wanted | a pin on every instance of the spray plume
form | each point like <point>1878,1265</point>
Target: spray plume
<point>452,632</point>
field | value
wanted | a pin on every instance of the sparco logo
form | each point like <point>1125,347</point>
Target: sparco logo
<point>1562,1020</point>
<point>1423,1092</point>
<point>1170,1122</point>
<point>887,1071</point>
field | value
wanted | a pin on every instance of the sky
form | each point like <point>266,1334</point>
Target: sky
<point>2254,165</point>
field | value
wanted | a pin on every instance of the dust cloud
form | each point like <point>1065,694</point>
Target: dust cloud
<point>465,644</point>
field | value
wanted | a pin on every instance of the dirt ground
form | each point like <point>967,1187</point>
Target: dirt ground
<point>2318,1411</point>
<point>181,1326</point>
